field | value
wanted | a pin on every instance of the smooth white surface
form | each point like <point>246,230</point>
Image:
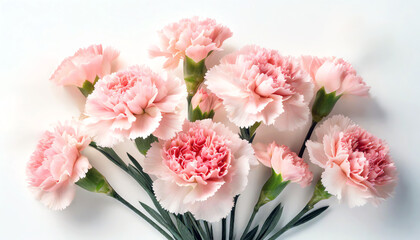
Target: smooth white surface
<point>380,38</point>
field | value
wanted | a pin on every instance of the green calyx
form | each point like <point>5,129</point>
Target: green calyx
<point>94,181</point>
<point>193,74</point>
<point>197,114</point>
<point>319,194</point>
<point>271,189</point>
<point>144,144</point>
<point>248,133</point>
<point>88,87</point>
<point>323,104</point>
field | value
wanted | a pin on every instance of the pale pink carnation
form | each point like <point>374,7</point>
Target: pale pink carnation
<point>133,103</point>
<point>357,164</point>
<point>200,170</point>
<point>285,162</point>
<point>190,37</point>
<point>205,100</point>
<point>335,75</point>
<point>258,84</point>
<point>57,164</point>
<point>85,65</point>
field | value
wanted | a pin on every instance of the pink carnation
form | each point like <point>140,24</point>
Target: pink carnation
<point>357,164</point>
<point>258,84</point>
<point>205,100</point>
<point>85,65</point>
<point>200,170</point>
<point>57,164</point>
<point>335,74</point>
<point>285,162</point>
<point>133,103</point>
<point>190,37</point>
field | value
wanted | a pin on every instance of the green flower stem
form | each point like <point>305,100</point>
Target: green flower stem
<point>117,197</point>
<point>308,136</point>
<point>319,194</point>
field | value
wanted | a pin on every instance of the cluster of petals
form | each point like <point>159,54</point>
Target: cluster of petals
<point>85,65</point>
<point>135,102</point>
<point>335,75</point>
<point>200,170</point>
<point>285,162</point>
<point>191,37</point>
<point>260,85</point>
<point>57,163</point>
<point>205,100</point>
<point>357,165</point>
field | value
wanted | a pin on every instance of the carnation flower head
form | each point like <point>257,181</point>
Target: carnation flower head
<point>85,65</point>
<point>203,165</point>
<point>335,75</point>
<point>285,162</point>
<point>133,103</point>
<point>357,164</point>
<point>260,85</point>
<point>57,163</point>
<point>192,37</point>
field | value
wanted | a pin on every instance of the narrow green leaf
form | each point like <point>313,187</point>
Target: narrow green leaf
<point>310,216</point>
<point>232,219</point>
<point>183,230</point>
<point>111,155</point>
<point>140,169</point>
<point>160,219</point>
<point>271,221</point>
<point>251,234</point>
<point>224,228</point>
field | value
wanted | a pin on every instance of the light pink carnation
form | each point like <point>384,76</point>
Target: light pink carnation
<point>357,164</point>
<point>200,170</point>
<point>206,100</point>
<point>133,103</point>
<point>258,84</point>
<point>285,162</point>
<point>85,65</point>
<point>335,74</point>
<point>190,37</point>
<point>57,164</point>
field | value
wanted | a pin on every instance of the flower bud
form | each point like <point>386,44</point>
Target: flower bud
<point>95,182</point>
<point>203,104</point>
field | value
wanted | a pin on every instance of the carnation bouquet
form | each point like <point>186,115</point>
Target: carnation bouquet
<point>195,169</point>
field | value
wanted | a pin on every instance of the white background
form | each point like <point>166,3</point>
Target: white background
<point>380,38</point>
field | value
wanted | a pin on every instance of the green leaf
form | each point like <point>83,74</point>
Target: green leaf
<point>251,234</point>
<point>183,230</point>
<point>161,220</point>
<point>271,222</point>
<point>144,144</point>
<point>310,216</point>
<point>224,228</point>
<point>111,155</point>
